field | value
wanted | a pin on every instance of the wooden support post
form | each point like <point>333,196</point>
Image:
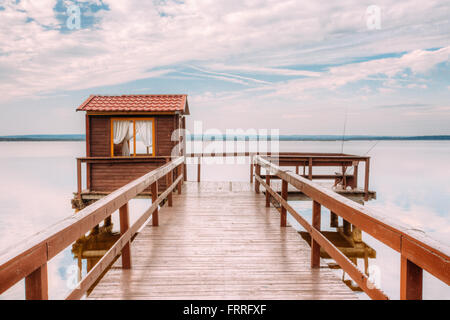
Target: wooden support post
<point>411,277</point>
<point>175,175</point>
<point>179,183</point>
<point>80,264</point>
<point>258,173</point>
<point>334,220</point>
<point>184,172</point>
<point>310,169</point>
<point>36,284</point>
<point>88,176</point>
<point>169,183</point>
<point>366,180</point>
<point>124,226</point>
<point>344,178</point>
<point>315,247</point>
<point>296,169</point>
<point>79,178</point>
<point>251,169</point>
<point>347,228</point>
<point>154,190</point>
<point>198,170</point>
<point>267,191</point>
<point>284,195</point>
<point>355,175</point>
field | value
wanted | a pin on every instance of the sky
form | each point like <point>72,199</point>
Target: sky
<point>303,67</point>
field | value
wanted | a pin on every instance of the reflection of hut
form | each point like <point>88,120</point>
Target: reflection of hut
<point>93,246</point>
<point>126,137</point>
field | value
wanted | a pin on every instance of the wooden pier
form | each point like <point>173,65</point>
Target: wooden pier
<point>219,242</point>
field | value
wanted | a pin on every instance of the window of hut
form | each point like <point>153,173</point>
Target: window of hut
<point>132,137</point>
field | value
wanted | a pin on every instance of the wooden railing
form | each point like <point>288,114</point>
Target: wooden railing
<point>29,260</point>
<point>418,251</point>
<point>302,159</point>
<point>114,160</point>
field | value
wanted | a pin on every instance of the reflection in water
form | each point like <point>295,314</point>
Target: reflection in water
<point>351,245</point>
<point>345,236</point>
<point>94,246</point>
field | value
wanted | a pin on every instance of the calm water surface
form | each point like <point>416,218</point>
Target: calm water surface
<point>411,178</point>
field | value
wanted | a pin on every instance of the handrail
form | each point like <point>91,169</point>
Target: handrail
<point>116,249</point>
<point>418,251</point>
<point>303,155</point>
<point>294,158</point>
<point>29,260</point>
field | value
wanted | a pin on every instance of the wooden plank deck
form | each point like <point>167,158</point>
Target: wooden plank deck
<point>219,241</point>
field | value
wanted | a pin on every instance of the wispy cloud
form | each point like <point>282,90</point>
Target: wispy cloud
<point>287,54</point>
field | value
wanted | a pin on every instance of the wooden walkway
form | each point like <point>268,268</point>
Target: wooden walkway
<point>219,241</point>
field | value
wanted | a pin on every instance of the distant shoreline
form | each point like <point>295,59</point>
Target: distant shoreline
<point>81,137</point>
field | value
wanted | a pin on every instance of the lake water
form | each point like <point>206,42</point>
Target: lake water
<point>411,178</point>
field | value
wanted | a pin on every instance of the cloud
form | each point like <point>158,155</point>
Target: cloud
<point>40,11</point>
<point>418,61</point>
<point>134,39</point>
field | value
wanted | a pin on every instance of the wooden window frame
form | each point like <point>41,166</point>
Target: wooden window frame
<point>133,119</point>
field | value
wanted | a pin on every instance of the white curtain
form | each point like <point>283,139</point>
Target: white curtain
<point>144,130</point>
<point>122,133</point>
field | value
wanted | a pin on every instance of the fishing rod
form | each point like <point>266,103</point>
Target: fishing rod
<point>343,132</point>
<point>343,140</point>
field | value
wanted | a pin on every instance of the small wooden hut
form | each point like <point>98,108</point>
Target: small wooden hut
<point>128,136</point>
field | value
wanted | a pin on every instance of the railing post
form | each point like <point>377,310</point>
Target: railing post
<point>284,195</point>
<point>334,220</point>
<point>411,277</point>
<point>184,171</point>
<point>366,180</point>
<point>169,184</point>
<point>154,190</point>
<point>251,169</point>
<point>124,225</point>
<point>355,175</point>
<point>179,183</point>
<point>267,191</point>
<point>181,166</point>
<point>257,173</point>
<point>315,247</point>
<point>347,227</point>
<point>79,178</point>
<point>198,170</point>
<point>310,169</point>
<point>36,284</point>
<point>344,178</point>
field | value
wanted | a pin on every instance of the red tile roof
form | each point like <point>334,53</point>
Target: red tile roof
<point>136,103</point>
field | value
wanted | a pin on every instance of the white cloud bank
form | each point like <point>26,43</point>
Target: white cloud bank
<point>134,37</point>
